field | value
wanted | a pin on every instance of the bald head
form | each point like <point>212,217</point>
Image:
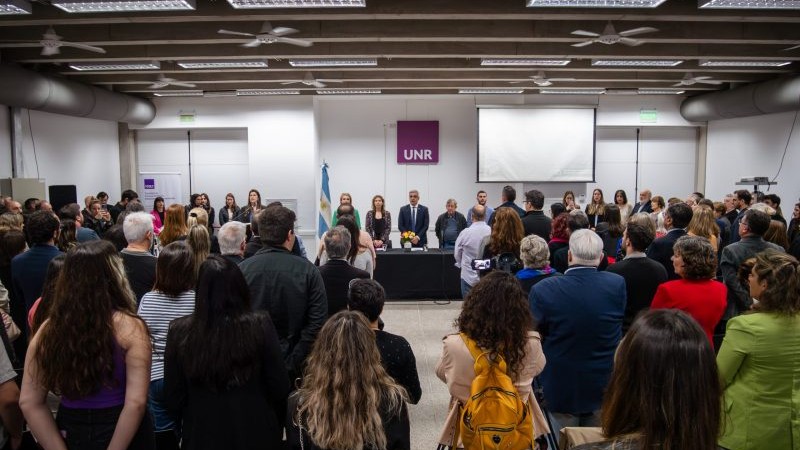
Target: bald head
<point>478,213</point>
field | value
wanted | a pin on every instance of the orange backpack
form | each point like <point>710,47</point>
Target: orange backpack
<point>494,416</point>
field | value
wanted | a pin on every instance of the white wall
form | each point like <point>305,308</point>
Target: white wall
<point>753,146</point>
<point>280,138</point>
<point>68,150</point>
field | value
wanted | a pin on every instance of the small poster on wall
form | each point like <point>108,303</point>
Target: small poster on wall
<point>417,142</point>
<point>160,184</point>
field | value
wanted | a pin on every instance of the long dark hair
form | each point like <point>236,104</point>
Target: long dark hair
<point>76,347</point>
<point>48,292</point>
<point>496,315</point>
<point>220,344</point>
<point>665,386</point>
<point>175,269</point>
<point>614,220</point>
<point>349,222</point>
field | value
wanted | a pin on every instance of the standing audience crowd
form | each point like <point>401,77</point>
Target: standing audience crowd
<point>668,326</point>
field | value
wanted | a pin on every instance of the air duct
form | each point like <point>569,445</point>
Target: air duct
<point>28,89</point>
<point>774,96</point>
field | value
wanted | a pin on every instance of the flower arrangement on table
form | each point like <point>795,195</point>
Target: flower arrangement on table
<point>407,237</point>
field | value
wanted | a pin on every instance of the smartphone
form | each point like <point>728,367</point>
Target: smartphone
<point>104,206</point>
<point>481,264</point>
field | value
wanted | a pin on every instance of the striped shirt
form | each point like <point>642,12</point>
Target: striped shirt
<point>158,310</point>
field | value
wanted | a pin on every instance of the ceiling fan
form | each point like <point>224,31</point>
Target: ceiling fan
<point>689,80</point>
<point>51,44</point>
<point>269,35</point>
<point>309,80</point>
<point>541,80</point>
<point>610,36</point>
<point>164,82</point>
<point>792,48</point>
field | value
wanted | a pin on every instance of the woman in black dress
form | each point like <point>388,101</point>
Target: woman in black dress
<point>379,223</point>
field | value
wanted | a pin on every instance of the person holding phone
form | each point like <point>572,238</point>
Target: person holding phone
<point>467,247</point>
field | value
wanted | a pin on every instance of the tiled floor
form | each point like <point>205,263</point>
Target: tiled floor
<point>423,324</point>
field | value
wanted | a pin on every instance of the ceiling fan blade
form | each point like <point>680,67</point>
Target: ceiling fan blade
<point>583,44</point>
<point>49,50</point>
<point>640,30</point>
<point>317,83</point>
<point>290,82</point>
<point>708,81</point>
<point>300,42</point>
<point>253,43</point>
<point>158,85</point>
<point>630,42</point>
<point>542,82</point>
<point>679,84</point>
<point>517,82</point>
<point>703,77</point>
<point>584,33</point>
<point>561,79</point>
<point>235,33</point>
<point>182,84</point>
<point>86,47</point>
<point>791,48</point>
<point>282,31</point>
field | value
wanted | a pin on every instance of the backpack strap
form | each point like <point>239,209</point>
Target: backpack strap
<point>482,359</point>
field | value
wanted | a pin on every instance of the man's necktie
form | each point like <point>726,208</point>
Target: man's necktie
<point>413,218</point>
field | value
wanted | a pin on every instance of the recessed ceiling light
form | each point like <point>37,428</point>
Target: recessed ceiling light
<point>13,7</point>
<point>660,91</point>
<point>749,4</point>
<point>636,62</point>
<point>85,67</point>
<point>490,91</point>
<point>246,4</point>
<point>348,91</point>
<point>90,6</point>
<point>716,63</point>
<point>333,62</point>
<point>597,91</point>
<point>595,3</point>
<point>233,64</point>
<point>178,93</point>
<point>523,62</point>
<point>267,92</point>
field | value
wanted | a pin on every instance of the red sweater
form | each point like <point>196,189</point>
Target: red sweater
<point>704,300</point>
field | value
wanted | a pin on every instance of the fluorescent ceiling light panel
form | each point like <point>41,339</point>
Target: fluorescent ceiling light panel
<point>749,4</point>
<point>267,92</point>
<point>333,62</point>
<point>660,91</point>
<point>523,62</point>
<point>348,91</point>
<point>636,62</point>
<point>713,63</point>
<point>598,91</point>
<point>490,91</point>
<point>86,67</point>
<point>248,4</point>
<point>233,64</point>
<point>98,6</point>
<point>178,93</point>
<point>594,3</point>
<point>14,7</point>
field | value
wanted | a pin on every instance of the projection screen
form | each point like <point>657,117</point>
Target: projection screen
<point>536,144</point>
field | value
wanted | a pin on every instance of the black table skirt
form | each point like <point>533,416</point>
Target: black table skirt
<point>418,275</point>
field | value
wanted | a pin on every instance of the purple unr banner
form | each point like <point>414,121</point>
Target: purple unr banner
<point>417,141</point>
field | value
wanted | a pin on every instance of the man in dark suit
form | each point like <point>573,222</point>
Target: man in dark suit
<point>414,217</point>
<point>643,205</point>
<point>580,319</point>
<point>534,221</point>
<point>337,272</point>
<point>508,196</point>
<point>676,219</point>
<point>642,275</point>
<point>28,270</point>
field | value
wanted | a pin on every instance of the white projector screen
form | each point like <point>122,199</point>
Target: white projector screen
<point>536,145</point>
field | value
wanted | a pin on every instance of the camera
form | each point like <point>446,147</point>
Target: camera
<point>481,264</point>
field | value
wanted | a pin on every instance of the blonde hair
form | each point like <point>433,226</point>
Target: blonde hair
<point>200,244</point>
<point>346,387</point>
<point>703,223</point>
<point>197,216</point>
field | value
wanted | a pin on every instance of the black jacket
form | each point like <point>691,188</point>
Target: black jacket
<point>441,224</point>
<point>535,222</point>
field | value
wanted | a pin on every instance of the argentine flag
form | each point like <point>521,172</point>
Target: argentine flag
<point>324,204</point>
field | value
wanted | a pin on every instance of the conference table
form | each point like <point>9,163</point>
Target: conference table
<point>427,274</point>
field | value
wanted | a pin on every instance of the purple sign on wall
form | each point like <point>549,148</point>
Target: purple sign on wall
<point>149,183</point>
<point>417,141</point>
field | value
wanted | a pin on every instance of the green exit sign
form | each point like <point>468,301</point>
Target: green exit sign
<point>648,115</point>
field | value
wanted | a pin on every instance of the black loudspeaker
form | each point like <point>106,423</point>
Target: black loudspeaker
<point>61,195</point>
